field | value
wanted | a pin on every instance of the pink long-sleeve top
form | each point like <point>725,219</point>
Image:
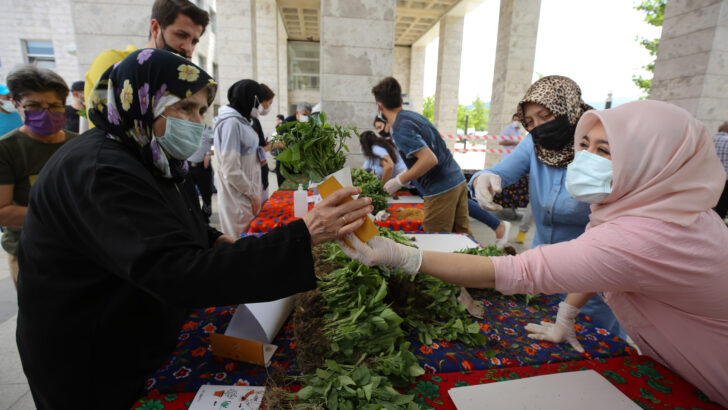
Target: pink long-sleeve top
<point>667,284</point>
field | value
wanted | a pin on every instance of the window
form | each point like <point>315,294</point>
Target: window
<point>40,53</point>
<point>303,65</point>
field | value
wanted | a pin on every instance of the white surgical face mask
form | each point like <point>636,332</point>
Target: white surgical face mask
<point>181,138</point>
<point>302,118</point>
<point>589,178</point>
<point>7,106</point>
<point>265,111</point>
<point>254,112</point>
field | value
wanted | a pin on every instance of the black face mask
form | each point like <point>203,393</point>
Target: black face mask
<point>170,49</point>
<point>384,134</point>
<point>555,134</point>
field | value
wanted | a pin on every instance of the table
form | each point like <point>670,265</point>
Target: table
<point>292,184</point>
<point>193,364</point>
<point>447,365</point>
<point>646,382</point>
<point>278,211</point>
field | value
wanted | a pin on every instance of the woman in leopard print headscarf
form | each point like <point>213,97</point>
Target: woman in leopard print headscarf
<point>553,135</point>
<point>549,111</point>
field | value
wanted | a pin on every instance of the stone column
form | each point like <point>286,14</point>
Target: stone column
<point>265,56</point>
<point>417,77</point>
<point>357,42</point>
<point>514,57</point>
<point>401,70</point>
<point>448,73</point>
<point>691,70</point>
<point>281,102</point>
<point>234,39</point>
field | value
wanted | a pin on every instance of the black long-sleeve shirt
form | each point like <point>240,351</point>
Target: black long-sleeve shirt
<point>112,258</point>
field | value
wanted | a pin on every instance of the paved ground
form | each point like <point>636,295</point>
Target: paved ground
<point>14,392</point>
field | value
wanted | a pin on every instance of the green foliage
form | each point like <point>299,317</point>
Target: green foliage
<point>462,112</point>
<point>368,354</point>
<point>313,148</point>
<point>372,187</point>
<point>341,386</point>
<point>654,14</point>
<point>479,115</point>
<point>428,108</point>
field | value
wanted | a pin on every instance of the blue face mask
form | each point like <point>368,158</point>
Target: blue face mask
<point>181,138</point>
<point>589,178</point>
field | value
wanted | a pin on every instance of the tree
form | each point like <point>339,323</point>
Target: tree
<point>654,14</point>
<point>428,108</point>
<point>479,115</point>
<point>462,112</point>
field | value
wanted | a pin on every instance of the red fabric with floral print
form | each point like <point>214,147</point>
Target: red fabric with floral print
<point>646,382</point>
<point>278,211</point>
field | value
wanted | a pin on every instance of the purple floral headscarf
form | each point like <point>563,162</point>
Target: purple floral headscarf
<point>131,94</point>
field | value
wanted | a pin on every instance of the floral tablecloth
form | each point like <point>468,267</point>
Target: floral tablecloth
<point>646,382</point>
<point>278,211</point>
<point>193,364</point>
<point>514,196</point>
<point>292,184</point>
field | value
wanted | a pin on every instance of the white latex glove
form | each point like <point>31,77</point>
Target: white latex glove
<point>381,216</point>
<point>487,185</point>
<point>561,331</point>
<point>393,185</point>
<point>383,251</point>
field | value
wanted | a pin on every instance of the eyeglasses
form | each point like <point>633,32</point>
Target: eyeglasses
<point>58,107</point>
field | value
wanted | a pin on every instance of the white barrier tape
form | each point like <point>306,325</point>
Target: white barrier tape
<point>490,150</point>
<point>480,137</point>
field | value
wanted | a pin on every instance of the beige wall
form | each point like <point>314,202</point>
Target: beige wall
<point>38,20</point>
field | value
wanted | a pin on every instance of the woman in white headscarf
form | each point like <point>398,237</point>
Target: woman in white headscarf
<point>238,166</point>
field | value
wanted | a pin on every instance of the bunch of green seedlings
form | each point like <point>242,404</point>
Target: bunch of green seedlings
<point>371,187</point>
<point>365,326</point>
<point>313,148</point>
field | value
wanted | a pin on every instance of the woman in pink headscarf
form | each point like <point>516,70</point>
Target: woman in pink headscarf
<point>653,246</point>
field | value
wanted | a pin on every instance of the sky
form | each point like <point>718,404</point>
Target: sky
<point>590,41</point>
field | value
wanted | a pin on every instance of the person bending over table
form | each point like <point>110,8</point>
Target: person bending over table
<point>115,250</point>
<point>431,166</point>
<point>549,111</point>
<point>653,245</point>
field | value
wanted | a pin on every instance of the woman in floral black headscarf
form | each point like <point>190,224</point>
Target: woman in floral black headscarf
<point>549,111</point>
<point>115,249</point>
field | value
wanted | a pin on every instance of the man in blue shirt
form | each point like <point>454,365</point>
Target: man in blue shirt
<point>431,166</point>
<point>9,117</point>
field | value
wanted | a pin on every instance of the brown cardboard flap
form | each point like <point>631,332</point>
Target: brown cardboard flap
<point>239,349</point>
<point>364,232</point>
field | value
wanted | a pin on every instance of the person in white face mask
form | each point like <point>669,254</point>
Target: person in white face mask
<point>9,117</point>
<point>653,245</point>
<point>236,150</point>
<point>262,108</point>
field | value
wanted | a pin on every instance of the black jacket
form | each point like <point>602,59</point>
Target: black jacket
<point>111,260</point>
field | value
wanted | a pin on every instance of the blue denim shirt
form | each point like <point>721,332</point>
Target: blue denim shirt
<point>558,216</point>
<point>411,132</point>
